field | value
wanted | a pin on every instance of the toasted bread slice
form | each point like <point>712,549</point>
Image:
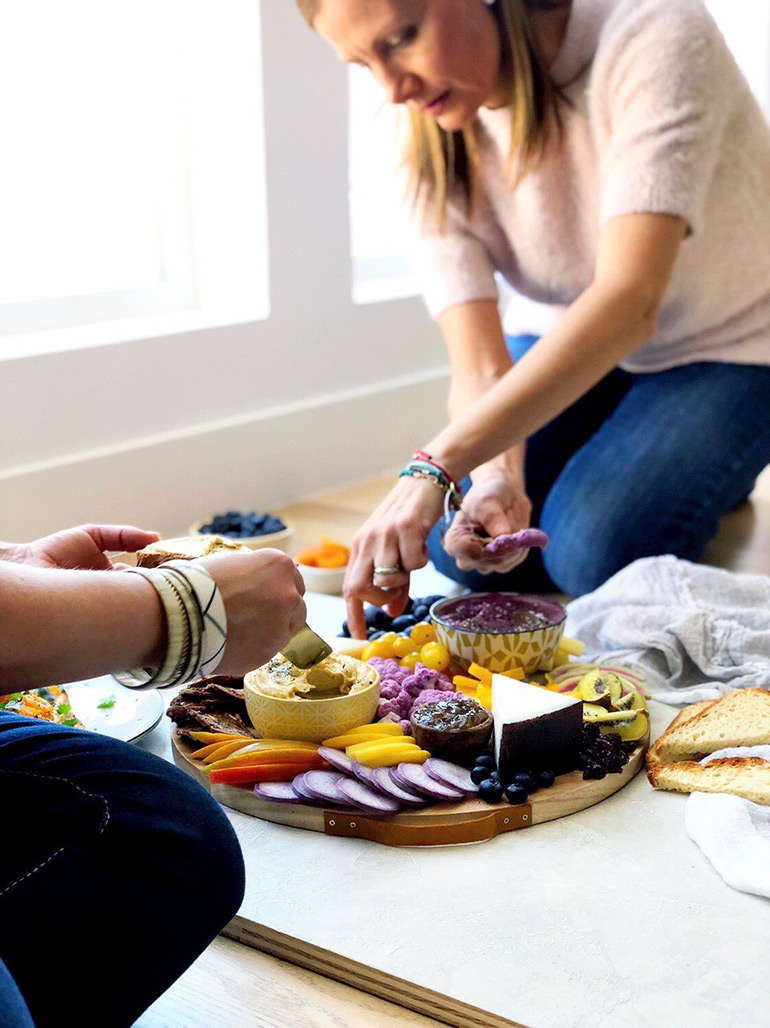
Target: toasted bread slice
<point>185,548</point>
<point>748,777</point>
<point>739,718</point>
<point>653,753</point>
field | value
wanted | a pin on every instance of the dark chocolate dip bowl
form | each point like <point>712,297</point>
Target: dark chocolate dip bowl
<point>500,631</point>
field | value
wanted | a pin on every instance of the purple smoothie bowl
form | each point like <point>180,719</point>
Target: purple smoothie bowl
<point>500,631</point>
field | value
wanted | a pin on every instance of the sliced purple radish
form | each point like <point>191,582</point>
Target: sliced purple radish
<point>359,795</point>
<point>325,786</point>
<point>512,541</point>
<point>414,776</point>
<point>337,759</point>
<point>276,792</point>
<point>382,780</point>
<point>362,772</point>
<point>298,785</point>
<point>453,775</point>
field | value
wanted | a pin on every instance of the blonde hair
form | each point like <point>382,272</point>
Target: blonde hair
<point>441,161</point>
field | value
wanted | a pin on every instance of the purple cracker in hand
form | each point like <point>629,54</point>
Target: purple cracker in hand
<point>523,540</point>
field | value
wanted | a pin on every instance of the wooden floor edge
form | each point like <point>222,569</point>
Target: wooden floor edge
<point>366,979</point>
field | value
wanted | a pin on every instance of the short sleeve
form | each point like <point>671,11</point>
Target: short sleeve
<point>452,263</point>
<point>660,76</point>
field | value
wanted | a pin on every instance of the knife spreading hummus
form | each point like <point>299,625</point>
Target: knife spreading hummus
<point>336,675</point>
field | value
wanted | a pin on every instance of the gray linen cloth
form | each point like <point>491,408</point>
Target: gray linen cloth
<point>696,631</point>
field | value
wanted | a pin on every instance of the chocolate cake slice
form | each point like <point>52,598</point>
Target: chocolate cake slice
<point>535,729</point>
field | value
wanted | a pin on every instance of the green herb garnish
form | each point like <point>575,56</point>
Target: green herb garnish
<point>106,703</point>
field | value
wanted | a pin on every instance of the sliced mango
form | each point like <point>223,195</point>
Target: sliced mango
<point>207,752</point>
<point>396,755</point>
<point>209,737</point>
<point>341,742</point>
<point>267,757</point>
<point>574,647</point>
<point>363,749</point>
<point>484,695</point>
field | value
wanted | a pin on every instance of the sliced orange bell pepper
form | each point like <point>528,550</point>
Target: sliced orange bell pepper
<point>257,773</point>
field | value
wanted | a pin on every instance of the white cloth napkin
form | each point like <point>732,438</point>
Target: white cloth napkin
<point>696,631</point>
<point>733,833</point>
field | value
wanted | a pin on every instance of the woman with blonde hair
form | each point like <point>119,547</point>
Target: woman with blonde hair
<point>605,157</point>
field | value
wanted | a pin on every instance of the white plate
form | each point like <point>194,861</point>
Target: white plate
<point>134,713</point>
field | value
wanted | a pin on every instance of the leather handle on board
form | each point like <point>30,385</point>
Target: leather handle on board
<point>446,833</point>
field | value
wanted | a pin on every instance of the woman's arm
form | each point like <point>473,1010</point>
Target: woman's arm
<point>616,314</point>
<point>58,626</point>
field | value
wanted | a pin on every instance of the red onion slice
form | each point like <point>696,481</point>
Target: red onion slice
<point>453,775</point>
<point>276,792</point>
<point>414,776</point>
<point>367,799</point>
<point>382,780</point>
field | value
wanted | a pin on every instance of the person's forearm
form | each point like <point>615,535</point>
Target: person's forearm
<point>59,626</point>
<point>475,370</point>
<point>601,328</point>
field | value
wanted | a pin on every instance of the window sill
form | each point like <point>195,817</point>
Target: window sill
<point>22,345</point>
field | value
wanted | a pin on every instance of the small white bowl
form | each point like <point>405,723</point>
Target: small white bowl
<point>323,580</point>
<point>275,540</point>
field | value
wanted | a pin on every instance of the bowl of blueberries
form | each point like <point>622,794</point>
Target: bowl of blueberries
<point>250,528</point>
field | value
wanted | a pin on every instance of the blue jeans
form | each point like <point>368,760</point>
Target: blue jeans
<point>116,871</point>
<point>639,466</point>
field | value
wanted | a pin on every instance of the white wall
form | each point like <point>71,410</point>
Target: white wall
<point>170,423</point>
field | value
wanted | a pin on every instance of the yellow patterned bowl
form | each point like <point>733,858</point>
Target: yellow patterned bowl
<point>307,719</point>
<point>500,631</point>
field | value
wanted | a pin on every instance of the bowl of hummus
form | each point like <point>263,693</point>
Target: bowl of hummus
<point>500,630</point>
<point>286,702</point>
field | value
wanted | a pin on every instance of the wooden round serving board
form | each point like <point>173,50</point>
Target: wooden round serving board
<point>443,824</point>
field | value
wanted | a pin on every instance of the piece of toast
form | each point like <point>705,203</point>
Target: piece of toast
<point>653,753</point>
<point>739,718</point>
<point>186,548</point>
<point>748,777</point>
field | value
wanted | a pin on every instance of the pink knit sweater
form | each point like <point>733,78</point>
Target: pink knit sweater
<point>661,121</point>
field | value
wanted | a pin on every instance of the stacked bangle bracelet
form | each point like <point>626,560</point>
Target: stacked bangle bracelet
<point>422,465</point>
<point>195,620</point>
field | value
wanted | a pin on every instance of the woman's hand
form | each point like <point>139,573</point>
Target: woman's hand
<point>496,506</point>
<point>262,592</point>
<point>393,537</point>
<point>82,547</point>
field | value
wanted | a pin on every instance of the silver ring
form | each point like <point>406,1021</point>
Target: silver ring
<point>392,569</point>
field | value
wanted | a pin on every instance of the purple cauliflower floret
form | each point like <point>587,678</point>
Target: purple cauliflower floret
<point>389,689</point>
<point>428,696</point>
<point>386,707</point>
<point>407,726</point>
<point>412,685</point>
<point>404,701</point>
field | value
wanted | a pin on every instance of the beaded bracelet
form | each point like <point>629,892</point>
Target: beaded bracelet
<point>421,469</point>
<point>421,455</point>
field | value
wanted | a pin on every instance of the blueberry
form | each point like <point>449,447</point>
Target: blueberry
<point>546,779</point>
<point>516,795</point>
<point>496,776</point>
<point>420,612</point>
<point>485,760</point>
<point>345,630</point>
<point>376,617</point>
<point>490,791</point>
<point>526,780</point>
<point>479,775</point>
<point>376,634</point>
<point>430,600</point>
<point>409,606</point>
<point>402,623</point>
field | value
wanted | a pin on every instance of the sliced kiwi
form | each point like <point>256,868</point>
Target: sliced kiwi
<point>601,687</point>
